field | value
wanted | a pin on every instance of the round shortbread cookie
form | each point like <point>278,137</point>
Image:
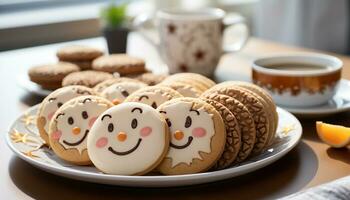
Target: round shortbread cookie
<point>87,78</point>
<point>233,135</point>
<point>208,83</point>
<point>121,63</point>
<point>129,139</point>
<point>70,127</point>
<point>255,107</point>
<point>50,76</point>
<point>245,122</point>
<point>153,95</point>
<point>186,90</point>
<point>54,101</point>
<point>119,91</point>
<point>197,138</point>
<point>150,78</point>
<point>104,84</point>
<point>78,53</point>
<point>191,82</point>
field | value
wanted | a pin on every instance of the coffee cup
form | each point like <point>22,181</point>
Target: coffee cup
<point>298,80</point>
<point>192,41</point>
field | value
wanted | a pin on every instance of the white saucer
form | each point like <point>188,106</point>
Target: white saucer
<point>24,82</point>
<point>287,137</point>
<point>339,103</point>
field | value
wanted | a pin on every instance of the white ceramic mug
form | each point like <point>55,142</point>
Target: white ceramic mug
<point>192,41</point>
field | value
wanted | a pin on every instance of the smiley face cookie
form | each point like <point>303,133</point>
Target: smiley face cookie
<point>54,101</point>
<point>129,139</point>
<point>118,92</point>
<point>70,127</point>
<point>153,95</point>
<point>197,134</point>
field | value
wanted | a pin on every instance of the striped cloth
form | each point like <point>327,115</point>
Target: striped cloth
<point>335,190</point>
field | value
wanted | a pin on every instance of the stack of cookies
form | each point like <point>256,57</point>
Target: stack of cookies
<point>86,66</point>
<point>185,124</point>
<point>80,55</point>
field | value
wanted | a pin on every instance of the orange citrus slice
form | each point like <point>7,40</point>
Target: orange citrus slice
<point>334,135</point>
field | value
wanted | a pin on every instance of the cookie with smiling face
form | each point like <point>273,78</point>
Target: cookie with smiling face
<point>71,125</point>
<point>128,139</point>
<point>197,134</point>
<point>54,101</point>
<point>153,95</point>
<point>118,92</point>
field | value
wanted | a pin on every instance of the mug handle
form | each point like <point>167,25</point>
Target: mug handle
<point>140,24</point>
<point>231,21</point>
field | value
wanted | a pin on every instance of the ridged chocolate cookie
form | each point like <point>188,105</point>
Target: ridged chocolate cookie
<point>245,122</point>
<point>268,99</point>
<point>255,107</point>
<point>233,135</point>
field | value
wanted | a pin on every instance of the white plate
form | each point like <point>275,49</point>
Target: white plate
<point>288,135</point>
<point>24,82</point>
<point>339,103</point>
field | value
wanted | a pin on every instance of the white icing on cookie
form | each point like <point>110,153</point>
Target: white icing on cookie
<point>153,99</point>
<point>127,139</point>
<point>74,122</point>
<point>57,99</point>
<point>117,92</point>
<point>191,132</point>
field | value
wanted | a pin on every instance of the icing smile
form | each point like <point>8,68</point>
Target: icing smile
<point>189,141</point>
<point>123,153</point>
<point>78,142</point>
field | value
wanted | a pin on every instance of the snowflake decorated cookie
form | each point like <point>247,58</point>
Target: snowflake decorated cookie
<point>197,136</point>
<point>71,125</point>
<point>53,102</point>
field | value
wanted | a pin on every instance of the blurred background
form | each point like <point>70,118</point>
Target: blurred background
<point>318,24</point>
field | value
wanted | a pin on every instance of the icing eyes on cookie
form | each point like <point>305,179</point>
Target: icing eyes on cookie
<point>59,104</point>
<point>168,122</point>
<point>134,123</point>
<point>188,122</point>
<point>70,120</point>
<point>110,127</point>
<point>85,115</point>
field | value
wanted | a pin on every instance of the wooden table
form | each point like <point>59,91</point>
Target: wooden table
<point>310,163</point>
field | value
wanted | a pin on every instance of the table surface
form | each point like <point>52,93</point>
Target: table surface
<point>311,163</point>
